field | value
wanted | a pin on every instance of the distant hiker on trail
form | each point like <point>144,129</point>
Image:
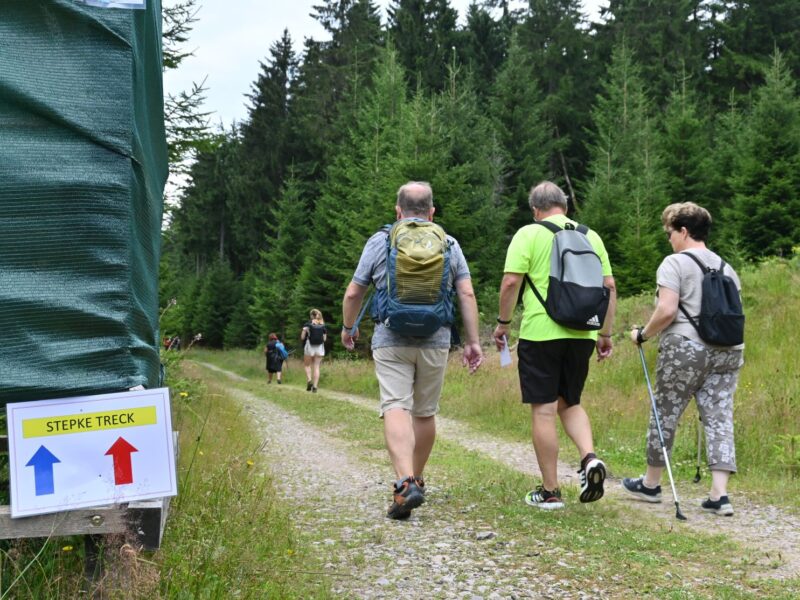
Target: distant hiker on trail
<point>688,364</point>
<point>554,356</point>
<point>275,353</point>
<point>423,268</point>
<point>314,334</point>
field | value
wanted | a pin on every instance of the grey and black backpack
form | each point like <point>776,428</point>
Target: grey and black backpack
<point>576,296</point>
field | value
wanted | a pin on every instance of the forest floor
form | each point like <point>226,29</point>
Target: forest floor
<point>338,484</point>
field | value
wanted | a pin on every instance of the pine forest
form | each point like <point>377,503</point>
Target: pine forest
<point>659,101</point>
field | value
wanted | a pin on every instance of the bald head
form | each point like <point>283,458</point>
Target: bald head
<point>415,199</point>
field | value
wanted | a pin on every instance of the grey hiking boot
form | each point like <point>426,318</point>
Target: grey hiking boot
<point>407,496</point>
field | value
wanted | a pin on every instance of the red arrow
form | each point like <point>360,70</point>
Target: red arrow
<point>121,451</point>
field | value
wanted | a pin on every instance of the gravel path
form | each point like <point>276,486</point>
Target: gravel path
<point>447,551</point>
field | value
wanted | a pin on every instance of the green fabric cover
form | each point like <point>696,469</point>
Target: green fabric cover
<point>83,164</point>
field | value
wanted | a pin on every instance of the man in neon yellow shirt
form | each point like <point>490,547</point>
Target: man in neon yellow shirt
<point>553,359</point>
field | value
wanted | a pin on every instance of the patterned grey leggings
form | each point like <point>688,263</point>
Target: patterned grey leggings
<point>684,369</point>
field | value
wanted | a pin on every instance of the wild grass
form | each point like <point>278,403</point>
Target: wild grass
<point>766,421</point>
<point>227,535</point>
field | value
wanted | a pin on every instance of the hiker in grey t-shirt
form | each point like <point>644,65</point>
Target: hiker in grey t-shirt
<point>688,366</point>
<point>410,370</point>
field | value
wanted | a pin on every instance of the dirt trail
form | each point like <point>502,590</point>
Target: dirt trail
<point>770,533</point>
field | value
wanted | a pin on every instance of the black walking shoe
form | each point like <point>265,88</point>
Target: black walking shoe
<point>313,390</point>
<point>407,497</point>
<point>720,507</point>
<point>592,475</point>
<point>279,382</point>
<point>637,489</point>
<point>308,386</point>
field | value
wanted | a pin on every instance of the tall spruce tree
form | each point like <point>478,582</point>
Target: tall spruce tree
<point>219,293</point>
<point>483,48</point>
<point>767,177</point>
<point>625,192</point>
<point>281,262</point>
<point>745,34</point>
<point>685,145</point>
<point>263,157</point>
<point>554,36</point>
<point>668,38</point>
<point>424,34</point>
<point>330,84</point>
<point>522,130</point>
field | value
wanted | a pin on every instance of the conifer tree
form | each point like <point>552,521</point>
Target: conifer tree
<point>240,332</point>
<point>522,129</point>
<point>218,295</point>
<point>424,34</point>
<point>559,49</point>
<point>767,177</point>
<point>685,146</point>
<point>280,262</point>
<point>625,194</point>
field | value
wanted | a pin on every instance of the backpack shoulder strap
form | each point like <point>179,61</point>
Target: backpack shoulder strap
<point>700,264</point>
<point>582,229</point>
<point>548,225</point>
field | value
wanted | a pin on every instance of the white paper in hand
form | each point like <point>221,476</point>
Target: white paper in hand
<point>505,354</point>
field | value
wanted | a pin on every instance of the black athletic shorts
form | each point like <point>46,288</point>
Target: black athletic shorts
<point>553,368</point>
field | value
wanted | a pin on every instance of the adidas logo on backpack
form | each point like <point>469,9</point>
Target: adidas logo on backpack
<point>576,296</point>
<point>417,300</point>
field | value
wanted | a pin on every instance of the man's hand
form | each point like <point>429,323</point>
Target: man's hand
<point>473,357</point>
<point>348,339</point>
<point>500,332</point>
<point>604,347</point>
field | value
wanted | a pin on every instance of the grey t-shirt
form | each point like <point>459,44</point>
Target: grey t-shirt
<point>372,269</point>
<point>682,275</point>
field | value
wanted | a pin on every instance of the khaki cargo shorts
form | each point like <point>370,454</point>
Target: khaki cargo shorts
<point>410,378</point>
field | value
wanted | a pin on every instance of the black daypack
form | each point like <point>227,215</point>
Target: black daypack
<point>576,296</point>
<point>316,334</point>
<point>721,318</point>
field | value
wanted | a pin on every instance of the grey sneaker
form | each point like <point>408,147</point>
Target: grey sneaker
<point>720,507</point>
<point>541,498</point>
<point>637,489</point>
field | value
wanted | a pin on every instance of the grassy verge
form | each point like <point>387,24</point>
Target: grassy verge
<point>598,543</point>
<point>227,535</point>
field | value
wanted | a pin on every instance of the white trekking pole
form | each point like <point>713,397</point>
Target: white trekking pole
<point>678,513</point>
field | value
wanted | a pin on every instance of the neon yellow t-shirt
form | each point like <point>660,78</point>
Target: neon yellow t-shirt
<point>529,252</point>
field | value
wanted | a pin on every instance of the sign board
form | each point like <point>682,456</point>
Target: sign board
<point>131,4</point>
<point>90,451</point>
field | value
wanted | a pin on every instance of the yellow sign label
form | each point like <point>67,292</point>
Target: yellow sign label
<point>81,423</point>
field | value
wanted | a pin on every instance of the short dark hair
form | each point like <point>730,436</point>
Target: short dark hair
<point>694,217</point>
<point>415,198</point>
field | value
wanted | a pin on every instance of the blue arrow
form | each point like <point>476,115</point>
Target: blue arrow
<point>42,463</point>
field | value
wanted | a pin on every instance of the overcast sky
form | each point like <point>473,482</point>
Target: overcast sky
<point>232,36</point>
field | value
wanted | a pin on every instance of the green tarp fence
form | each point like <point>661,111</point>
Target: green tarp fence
<point>83,164</point>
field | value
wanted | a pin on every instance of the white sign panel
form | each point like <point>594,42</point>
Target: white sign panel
<point>90,451</point>
<point>115,3</point>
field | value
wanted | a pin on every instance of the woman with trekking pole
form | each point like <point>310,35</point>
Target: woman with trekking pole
<point>699,320</point>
